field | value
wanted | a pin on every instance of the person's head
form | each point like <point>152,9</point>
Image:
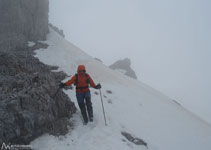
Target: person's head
<point>81,69</point>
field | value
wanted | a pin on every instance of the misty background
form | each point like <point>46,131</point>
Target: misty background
<point>168,42</point>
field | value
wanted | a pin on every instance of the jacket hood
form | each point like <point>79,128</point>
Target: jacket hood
<point>81,68</point>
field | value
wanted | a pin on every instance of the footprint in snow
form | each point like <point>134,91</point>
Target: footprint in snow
<point>109,91</point>
<point>96,93</point>
<point>109,101</point>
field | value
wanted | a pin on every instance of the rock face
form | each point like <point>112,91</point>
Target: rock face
<point>22,21</point>
<point>28,107</point>
<point>124,66</point>
<point>133,139</point>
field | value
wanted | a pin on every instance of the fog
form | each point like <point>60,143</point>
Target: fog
<point>169,42</point>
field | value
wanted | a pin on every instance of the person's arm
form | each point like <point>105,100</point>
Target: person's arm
<point>71,81</point>
<point>91,82</point>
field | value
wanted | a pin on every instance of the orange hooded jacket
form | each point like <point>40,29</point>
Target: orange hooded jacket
<point>81,80</point>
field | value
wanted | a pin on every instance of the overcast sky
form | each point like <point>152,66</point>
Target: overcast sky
<point>168,41</point>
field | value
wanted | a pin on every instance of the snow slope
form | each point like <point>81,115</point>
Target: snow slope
<point>132,107</point>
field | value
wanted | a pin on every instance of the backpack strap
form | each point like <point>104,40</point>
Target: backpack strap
<point>87,78</point>
<point>76,79</point>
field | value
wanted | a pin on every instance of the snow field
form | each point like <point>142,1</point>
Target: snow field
<point>132,106</point>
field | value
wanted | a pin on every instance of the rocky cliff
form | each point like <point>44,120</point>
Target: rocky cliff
<point>22,21</point>
<point>28,106</point>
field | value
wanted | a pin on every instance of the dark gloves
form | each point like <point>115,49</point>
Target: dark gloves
<point>62,85</point>
<point>98,86</point>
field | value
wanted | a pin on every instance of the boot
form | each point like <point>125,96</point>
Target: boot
<point>89,108</point>
<point>83,112</point>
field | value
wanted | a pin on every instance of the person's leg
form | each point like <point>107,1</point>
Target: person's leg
<point>89,105</point>
<point>80,99</point>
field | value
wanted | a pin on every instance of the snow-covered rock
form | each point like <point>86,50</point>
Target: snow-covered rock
<point>31,44</point>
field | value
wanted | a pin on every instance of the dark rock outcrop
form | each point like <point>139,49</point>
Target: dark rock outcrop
<point>28,107</point>
<point>124,65</point>
<point>98,60</point>
<point>59,31</point>
<point>133,139</point>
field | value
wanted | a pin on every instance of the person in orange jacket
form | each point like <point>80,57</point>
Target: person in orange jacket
<point>82,80</point>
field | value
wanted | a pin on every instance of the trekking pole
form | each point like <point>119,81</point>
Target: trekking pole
<point>56,92</point>
<point>103,108</point>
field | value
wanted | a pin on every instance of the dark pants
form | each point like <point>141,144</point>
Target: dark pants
<point>85,104</point>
